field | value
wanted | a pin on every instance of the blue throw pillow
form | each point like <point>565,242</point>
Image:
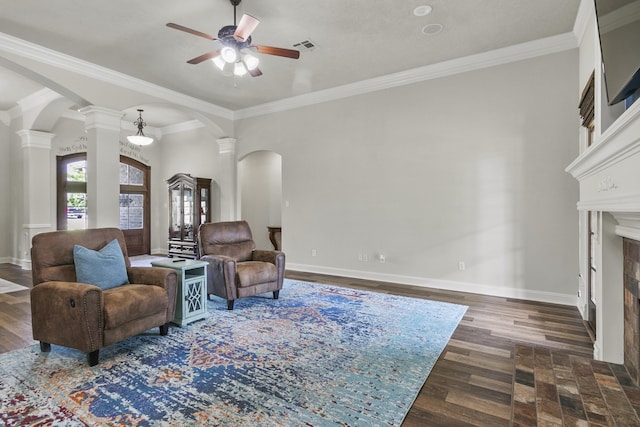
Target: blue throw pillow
<point>105,268</point>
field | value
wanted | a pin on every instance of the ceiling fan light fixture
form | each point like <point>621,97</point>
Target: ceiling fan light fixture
<point>220,63</point>
<point>229,54</point>
<point>250,61</point>
<point>140,138</point>
<point>239,69</point>
<point>233,45</point>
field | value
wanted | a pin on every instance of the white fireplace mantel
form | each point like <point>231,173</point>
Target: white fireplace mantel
<point>609,170</point>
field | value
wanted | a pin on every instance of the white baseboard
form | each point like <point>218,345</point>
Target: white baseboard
<point>449,285</point>
<point>24,263</point>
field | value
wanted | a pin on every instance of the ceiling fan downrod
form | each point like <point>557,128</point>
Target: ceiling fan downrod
<point>235,3</point>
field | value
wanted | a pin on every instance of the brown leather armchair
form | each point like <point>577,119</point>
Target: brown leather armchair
<point>86,317</point>
<point>236,269</point>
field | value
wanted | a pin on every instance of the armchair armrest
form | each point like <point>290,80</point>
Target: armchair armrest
<point>157,276</point>
<point>274,257</point>
<point>221,273</point>
<point>267,256</point>
<point>68,314</point>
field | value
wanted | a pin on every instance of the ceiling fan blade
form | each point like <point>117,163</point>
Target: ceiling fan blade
<point>246,26</point>
<point>255,72</point>
<point>203,57</point>
<point>278,51</point>
<point>190,31</point>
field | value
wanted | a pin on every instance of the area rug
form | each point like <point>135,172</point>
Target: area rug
<point>7,286</point>
<point>318,356</point>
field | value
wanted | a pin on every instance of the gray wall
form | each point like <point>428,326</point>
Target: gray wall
<point>464,168</point>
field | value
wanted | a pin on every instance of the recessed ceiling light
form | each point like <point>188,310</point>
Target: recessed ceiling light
<point>422,10</point>
<point>432,29</point>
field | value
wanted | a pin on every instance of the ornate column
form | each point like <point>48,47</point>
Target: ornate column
<point>37,206</point>
<point>228,179</point>
<point>103,166</point>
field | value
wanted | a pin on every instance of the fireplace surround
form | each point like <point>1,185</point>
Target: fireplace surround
<point>632,308</point>
<point>609,179</point>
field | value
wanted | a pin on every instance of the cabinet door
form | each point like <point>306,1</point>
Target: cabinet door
<point>204,205</point>
<point>175,220</point>
<point>187,200</point>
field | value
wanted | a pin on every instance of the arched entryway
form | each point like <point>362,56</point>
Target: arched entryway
<point>260,184</point>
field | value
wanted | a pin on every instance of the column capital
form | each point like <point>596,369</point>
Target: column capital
<point>35,139</point>
<point>101,118</point>
<point>226,145</point>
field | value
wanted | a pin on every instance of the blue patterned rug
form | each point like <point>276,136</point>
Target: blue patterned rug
<point>318,356</point>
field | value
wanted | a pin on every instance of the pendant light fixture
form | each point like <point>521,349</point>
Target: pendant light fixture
<point>140,138</point>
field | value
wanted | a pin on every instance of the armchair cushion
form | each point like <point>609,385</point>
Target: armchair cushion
<point>132,302</point>
<point>249,273</point>
<point>104,268</point>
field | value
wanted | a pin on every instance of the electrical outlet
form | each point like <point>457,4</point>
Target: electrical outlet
<point>382,258</point>
<point>360,257</point>
<point>461,266</point>
<point>314,252</point>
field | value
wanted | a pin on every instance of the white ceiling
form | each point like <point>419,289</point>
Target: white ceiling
<point>356,39</point>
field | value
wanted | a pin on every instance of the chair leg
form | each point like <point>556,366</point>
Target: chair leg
<point>276,294</point>
<point>164,329</point>
<point>45,347</point>
<point>93,357</point>
<point>230,304</point>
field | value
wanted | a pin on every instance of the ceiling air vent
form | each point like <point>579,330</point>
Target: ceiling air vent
<point>305,45</point>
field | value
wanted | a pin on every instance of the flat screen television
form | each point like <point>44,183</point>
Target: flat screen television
<point>619,31</point>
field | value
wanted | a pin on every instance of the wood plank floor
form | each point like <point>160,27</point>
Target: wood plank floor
<point>472,382</point>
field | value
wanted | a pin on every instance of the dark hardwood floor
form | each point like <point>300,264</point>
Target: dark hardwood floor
<point>473,381</point>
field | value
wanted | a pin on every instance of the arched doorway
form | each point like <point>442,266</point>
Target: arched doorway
<point>260,184</point>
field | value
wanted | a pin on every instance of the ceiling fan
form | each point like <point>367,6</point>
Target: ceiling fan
<point>233,49</point>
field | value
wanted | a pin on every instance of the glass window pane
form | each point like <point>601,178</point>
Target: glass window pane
<point>131,211</point>
<point>77,171</point>
<point>76,211</point>
<point>187,209</point>
<point>124,174</point>
<point>130,175</point>
<point>136,176</point>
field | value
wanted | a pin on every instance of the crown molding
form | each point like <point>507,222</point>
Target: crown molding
<point>488,59</point>
<point>47,56</point>
<point>492,58</point>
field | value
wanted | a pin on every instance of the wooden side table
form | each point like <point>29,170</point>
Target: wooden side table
<point>191,302</point>
<point>275,234</point>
